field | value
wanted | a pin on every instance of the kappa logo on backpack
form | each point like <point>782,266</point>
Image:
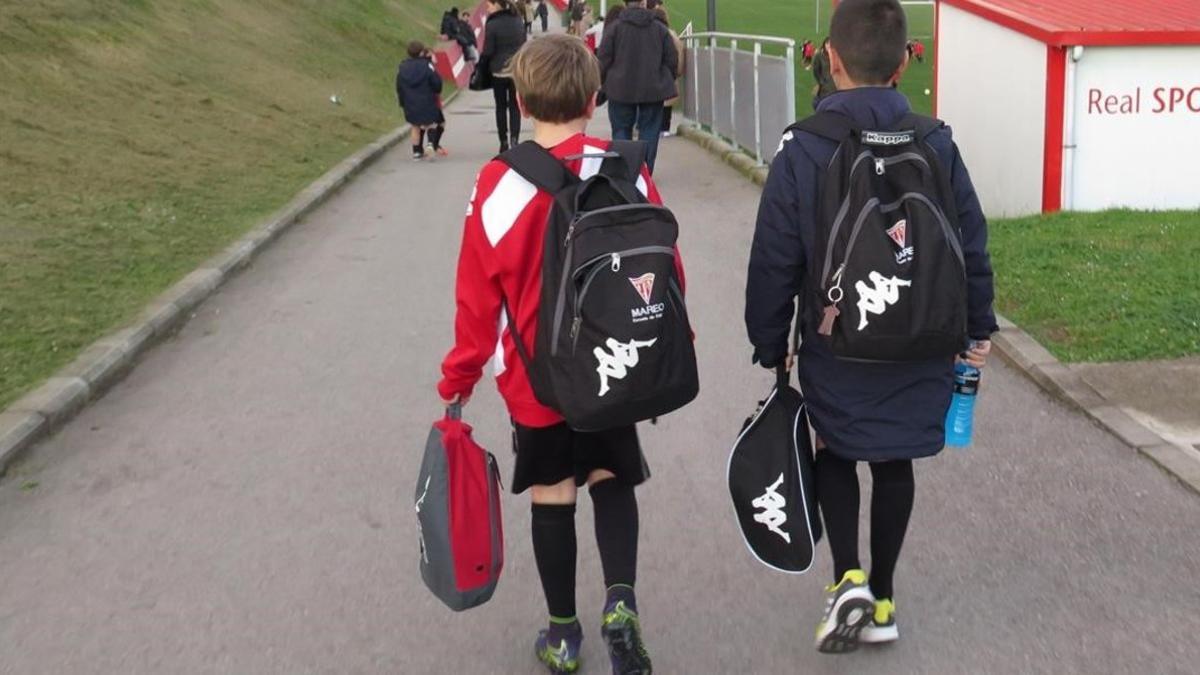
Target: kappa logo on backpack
<point>889,280</point>
<point>613,344</point>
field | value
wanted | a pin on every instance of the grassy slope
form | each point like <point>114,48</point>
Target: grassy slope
<point>797,19</point>
<point>1113,286</point>
<point>141,137</point>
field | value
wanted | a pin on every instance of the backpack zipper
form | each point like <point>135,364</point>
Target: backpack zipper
<point>615,266</point>
<point>580,217</point>
<point>881,164</point>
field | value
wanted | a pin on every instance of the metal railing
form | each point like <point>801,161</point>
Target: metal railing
<point>753,101</point>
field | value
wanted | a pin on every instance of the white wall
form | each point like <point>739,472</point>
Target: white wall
<point>1141,154</point>
<point>992,90</point>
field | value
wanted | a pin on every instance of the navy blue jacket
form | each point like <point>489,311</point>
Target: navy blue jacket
<point>863,411</point>
<point>417,89</point>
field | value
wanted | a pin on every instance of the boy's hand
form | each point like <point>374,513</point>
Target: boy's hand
<point>458,398</point>
<point>977,355</point>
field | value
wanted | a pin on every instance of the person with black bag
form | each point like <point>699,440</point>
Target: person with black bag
<point>572,386</point>
<point>503,35</point>
<point>870,218</point>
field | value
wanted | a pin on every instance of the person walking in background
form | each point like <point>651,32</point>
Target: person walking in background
<point>543,13</point>
<point>417,89</point>
<point>577,9</point>
<point>808,51</point>
<point>638,62</point>
<point>466,37</point>
<point>450,24</point>
<point>557,80</point>
<point>660,12</point>
<point>528,13</point>
<point>503,35</point>
<point>821,73</point>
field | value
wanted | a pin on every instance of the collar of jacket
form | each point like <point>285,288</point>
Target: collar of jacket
<point>869,107</point>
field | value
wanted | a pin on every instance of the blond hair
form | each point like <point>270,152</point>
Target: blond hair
<point>556,77</point>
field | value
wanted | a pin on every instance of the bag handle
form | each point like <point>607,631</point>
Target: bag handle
<point>782,372</point>
<point>454,411</point>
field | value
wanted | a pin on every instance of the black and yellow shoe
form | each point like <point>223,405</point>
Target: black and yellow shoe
<point>849,607</point>
<point>882,628</point>
<point>622,631</point>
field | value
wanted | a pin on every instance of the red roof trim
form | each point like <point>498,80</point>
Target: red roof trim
<point>1055,36</point>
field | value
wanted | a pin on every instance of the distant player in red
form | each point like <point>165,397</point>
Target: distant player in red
<point>808,50</point>
<point>917,48</point>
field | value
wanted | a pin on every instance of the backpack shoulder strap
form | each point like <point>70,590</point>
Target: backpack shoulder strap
<point>536,165</point>
<point>628,163</point>
<point>829,125</point>
<point>924,126</point>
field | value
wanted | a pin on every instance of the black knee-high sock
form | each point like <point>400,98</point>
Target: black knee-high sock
<point>435,136</point>
<point>616,512</point>
<point>837,492</point>
<point>891,506</point>
<point>554,550</point>
<point>419,146</point>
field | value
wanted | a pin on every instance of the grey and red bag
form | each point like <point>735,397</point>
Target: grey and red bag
<point>458,515</point>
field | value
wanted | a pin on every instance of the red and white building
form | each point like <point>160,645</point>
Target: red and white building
<point>1073,104</point>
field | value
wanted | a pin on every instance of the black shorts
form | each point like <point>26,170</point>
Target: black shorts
<point>550,455</point>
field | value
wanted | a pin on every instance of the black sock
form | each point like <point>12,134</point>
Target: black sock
<point>616,512</point>
<point>837,492</point>
<point>421,138</point>
<point>417,150</point>
<point>891,506</point>
<point>553,527</point>
<point>435,136</point>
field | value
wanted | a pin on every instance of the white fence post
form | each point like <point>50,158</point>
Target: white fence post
<point>757,107</point>
<point>766,86</point>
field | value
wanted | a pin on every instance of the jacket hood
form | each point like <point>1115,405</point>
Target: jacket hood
<point>638,16</point>
<point>413,71</point>
<point>870,107</point>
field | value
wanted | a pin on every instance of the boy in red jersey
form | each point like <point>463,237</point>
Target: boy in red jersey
<point>557,79</point>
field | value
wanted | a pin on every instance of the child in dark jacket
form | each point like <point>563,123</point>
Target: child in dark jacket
<point>885,414</point>
<point>418,89</point>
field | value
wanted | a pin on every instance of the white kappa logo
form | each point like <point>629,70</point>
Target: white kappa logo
<point>617,364</point>
<point>877,300</point>
<point>421,532</point>
<point>772,504</point>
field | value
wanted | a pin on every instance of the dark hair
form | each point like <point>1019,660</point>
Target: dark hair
<point>614,12</point>
<point>415,49</point>
<point>870,37</point>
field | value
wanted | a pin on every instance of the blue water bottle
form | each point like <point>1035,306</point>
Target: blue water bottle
<point>961,415</point>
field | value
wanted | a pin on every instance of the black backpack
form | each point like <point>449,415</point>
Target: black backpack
<point>888,281</point>
<point>613,344</point>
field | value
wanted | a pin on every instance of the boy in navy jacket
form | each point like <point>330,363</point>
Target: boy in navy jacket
<point>418,87</point>
<point>886,414</point>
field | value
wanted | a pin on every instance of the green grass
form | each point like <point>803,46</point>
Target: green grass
<point>141,137</point>
<point>796,19</point>
<point>1112,286</point>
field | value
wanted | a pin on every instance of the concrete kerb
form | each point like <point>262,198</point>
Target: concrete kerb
<point>106,361</point>
<point>1028,356</point>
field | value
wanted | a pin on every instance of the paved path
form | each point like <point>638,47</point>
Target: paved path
<point>241,503</point>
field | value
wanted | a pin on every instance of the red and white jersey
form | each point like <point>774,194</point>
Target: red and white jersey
<point>501,261</point>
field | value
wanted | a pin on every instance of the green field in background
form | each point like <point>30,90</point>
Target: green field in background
<point>141,137</point>
<point>797,19</point>
<point>1111,286</point>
